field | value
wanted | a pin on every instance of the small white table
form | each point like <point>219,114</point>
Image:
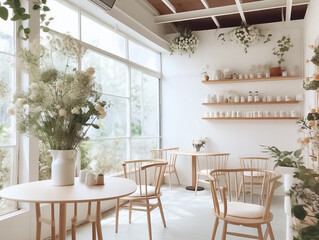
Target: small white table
<point>194,155</point>
<point>44,192</point>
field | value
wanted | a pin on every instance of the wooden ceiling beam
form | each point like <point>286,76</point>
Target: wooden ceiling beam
<point>288,10</point>
<point>204,2</point>
<point>226,10</point>
<point>241,12</point>
<point>169,5</point>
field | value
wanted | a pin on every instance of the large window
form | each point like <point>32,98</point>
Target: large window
<point>7,124</point>
<point>128,73</point>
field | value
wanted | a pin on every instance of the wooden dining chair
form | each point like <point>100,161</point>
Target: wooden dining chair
<point>251,211</point>
<point>216,161</point>
<point>168,155</point>
<point>148,175</point>
<point>253,162</point>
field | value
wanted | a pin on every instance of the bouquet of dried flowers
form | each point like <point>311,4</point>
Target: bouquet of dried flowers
<point>60,105</point>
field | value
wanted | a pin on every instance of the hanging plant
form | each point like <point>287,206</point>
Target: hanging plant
<point>19,14</point>
<point>185,43</point>
<point>244,36</point>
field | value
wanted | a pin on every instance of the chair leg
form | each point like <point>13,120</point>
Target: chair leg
<point>239,190</point>
<point>130,213</point>
<point>271,234</point>
<point>215,228</point>
<point>196,185</point>
<point>161,211</point>
<point>148,210</point>
<point>117,210</point>
<point>224,231</point>
<point>170,179</point>
<point>177,176</point>
<point>260,233</point>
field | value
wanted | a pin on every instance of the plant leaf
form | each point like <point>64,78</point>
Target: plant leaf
<point>4,13</point>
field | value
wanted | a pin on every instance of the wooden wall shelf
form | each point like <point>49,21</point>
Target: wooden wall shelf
<point>243,118</point>
<point>280,78</point>
<point>252,103</point>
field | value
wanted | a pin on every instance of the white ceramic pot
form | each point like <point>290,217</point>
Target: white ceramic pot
<point>63,166</point>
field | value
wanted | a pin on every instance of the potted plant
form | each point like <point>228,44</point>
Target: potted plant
<point>312,83</point>
<point>205,73</point>
<point>283,46</point>
<point>60,105</point>
<point>286,162</point>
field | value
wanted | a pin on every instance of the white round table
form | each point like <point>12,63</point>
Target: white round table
<point>44,192</point>
<point>194,155</point>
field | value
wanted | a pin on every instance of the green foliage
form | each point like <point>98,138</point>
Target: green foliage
<point>283,46</point>
<point>284,158</point>
<point>85,160</point>
<point>315,58</point>
<point>305,203</point>
<point>45,161</point>
<point>313,116</point>
<point>136,128</point>
<point>4,168</point>
<point>311,85</point>
<point>19,14</point>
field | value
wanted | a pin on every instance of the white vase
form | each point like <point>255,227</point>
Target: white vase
<point>63,166</point>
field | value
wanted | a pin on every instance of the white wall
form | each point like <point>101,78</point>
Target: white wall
<point>183,94</point>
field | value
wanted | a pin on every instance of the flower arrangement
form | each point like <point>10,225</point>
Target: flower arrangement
<point>185,43</point>
<point>312,83</point>
<point>198,144</point>
<point>305,204</point>
<point>244,36</point>
<point>60,106</point>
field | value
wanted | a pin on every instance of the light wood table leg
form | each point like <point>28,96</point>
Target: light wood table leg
<point>62,221</point>
<point>52,222</point>
<point>192,188</point>
<point>38,215</point>
<point>98,220</point>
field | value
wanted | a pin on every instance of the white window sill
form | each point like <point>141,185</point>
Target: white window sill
<point>13,214</point>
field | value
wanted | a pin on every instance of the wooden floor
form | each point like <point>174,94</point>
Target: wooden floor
<point>187,218</point>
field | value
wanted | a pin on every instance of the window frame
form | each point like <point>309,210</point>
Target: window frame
<point>15,141</point>
<point>130,65</point>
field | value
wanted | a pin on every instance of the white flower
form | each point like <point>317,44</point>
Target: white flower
<point>52,114</point>
<point>59,85</point>
<point>75,110</point>
<point>85,109</point>
<point>20,102</point>
<point>62,112</point>
<point>11,110</point>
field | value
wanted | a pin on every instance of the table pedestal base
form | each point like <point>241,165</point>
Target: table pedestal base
<point>191,188</point>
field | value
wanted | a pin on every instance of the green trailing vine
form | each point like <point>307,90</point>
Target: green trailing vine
<point>283,46</point>
<point>19,14</point>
